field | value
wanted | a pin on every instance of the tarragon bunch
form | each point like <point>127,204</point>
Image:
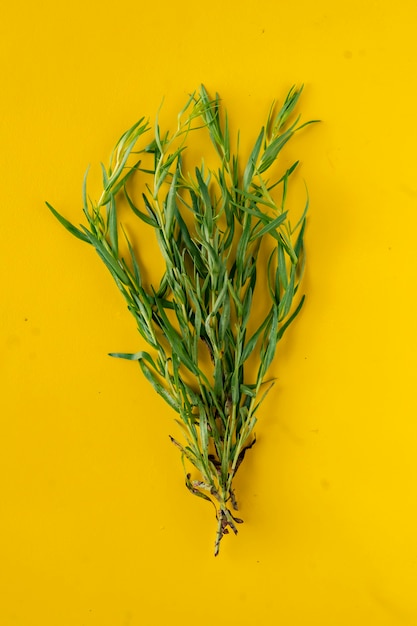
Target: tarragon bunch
<point>212,330</point>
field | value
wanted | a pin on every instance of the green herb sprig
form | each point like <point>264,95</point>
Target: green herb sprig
<point>218,230</point>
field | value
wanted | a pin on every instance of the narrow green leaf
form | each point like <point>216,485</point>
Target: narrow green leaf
<point>248,390</point>
<point>270,228</point>
<point>270,342</point>
<point>176,341</point>
<point>251,165</point>
<point>105,179</point>
<point>112,225</point>
<point>122,182</point>
<point>287,298</point>
<point>289,320</point>
<point>272,151</point>
<point>224,325</point>
<point>242,247</point>
<point>282,276</point>
<point>220,300</point>
<point>247,305</point>
<point>112,264</point>
<point>204,436</point>
<point>251,343</point>
<point>160,389</point>
<point>205,196</point>
<point>70,227</point>
<point>135,264</point>
<point>288,107</point>
<point>136,356</point>
<point>171,204</point>
<point>145,218</point>
<point>255,200</point>
<point>84,194</point>
<point>236,299</point>
<point>194,252</point>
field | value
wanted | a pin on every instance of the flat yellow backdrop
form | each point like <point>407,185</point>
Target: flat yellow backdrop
<point>96,526</point>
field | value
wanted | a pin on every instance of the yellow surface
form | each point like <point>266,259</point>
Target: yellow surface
<point>96,527</point>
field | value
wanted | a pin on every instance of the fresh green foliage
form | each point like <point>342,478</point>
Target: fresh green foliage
<point>218,230</point>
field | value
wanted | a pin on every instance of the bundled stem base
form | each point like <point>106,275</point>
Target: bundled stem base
<point>210,347</point>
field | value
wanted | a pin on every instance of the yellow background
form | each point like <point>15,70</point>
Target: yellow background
<point>96,526</point>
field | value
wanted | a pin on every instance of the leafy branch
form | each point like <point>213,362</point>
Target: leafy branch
<point>211,226</point>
